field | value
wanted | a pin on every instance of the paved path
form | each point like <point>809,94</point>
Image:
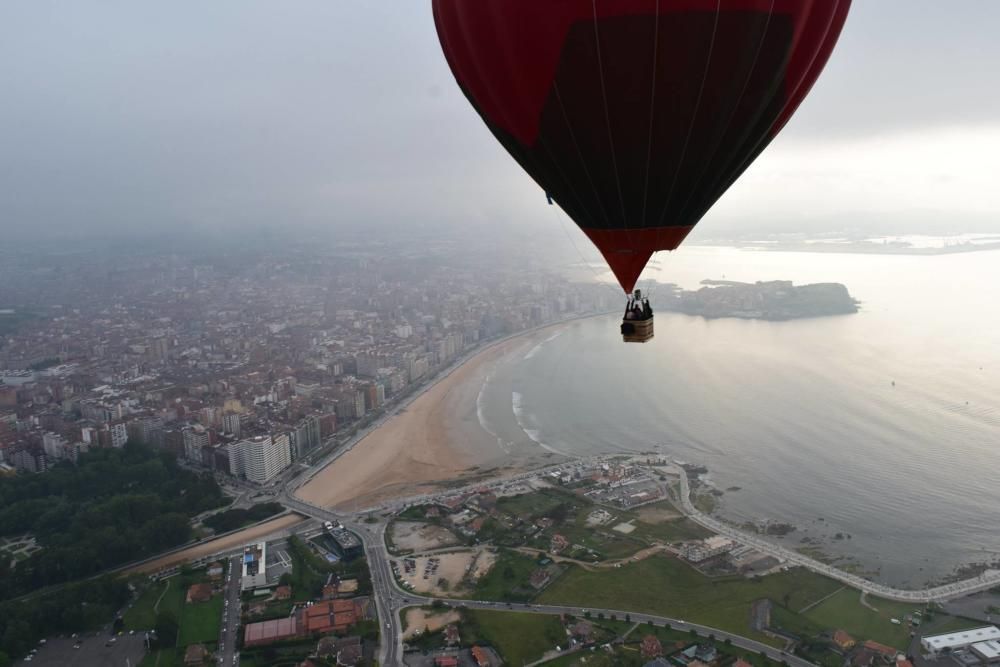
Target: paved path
<point>391,599</point>
<point>987,580</point>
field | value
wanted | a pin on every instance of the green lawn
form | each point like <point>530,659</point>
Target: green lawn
<point>845,611</point>
<point>200,622</point>
<point>533,505</point>
<point>941,625</point>
<point>666,586</point>
<point>578,660</point>
<point>628,655</point>
<point>141,615</point>
<point>670,531</point>
<point>520,638</point>
<point>508,579</point>
<point>166,657</point>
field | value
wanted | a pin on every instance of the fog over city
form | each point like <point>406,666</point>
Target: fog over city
<point>300,366</point>
<point>123,118</point>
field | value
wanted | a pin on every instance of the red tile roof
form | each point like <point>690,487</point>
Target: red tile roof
<point>881,649</point>
<point>267,632</point>
<point>480,656</point>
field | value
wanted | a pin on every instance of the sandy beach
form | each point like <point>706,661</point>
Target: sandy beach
<point>437,438</point>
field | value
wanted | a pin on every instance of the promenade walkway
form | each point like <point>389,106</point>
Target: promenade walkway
<point>986,580</point>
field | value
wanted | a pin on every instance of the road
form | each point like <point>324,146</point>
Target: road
<point>230,613</point>
<point>383,582</point>
<point>987,580</point>
<point>390,599</point>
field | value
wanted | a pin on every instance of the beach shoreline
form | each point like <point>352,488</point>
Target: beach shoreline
<point>434,440</point>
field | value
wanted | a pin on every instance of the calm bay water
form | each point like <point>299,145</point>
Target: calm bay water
<point>802,415</point>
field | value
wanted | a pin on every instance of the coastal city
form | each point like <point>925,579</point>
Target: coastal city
<point>499,333</point>
<point>239,367</point>
<point>218,397</point>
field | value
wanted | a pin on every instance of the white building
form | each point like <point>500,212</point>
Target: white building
<point>119,434</point>
<point>988,651</point>
<point>937,644</point>
<point>260,458</point>
<point>708,548</point>
<point>254,573</point>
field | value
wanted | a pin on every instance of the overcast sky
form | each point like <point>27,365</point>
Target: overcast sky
<point>232,114</point>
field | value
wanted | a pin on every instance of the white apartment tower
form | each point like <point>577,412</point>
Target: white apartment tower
<point>259,458</point>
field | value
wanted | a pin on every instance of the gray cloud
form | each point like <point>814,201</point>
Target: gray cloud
<point>123,116</point>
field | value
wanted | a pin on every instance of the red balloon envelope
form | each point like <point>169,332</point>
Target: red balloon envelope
<point>636,115</point>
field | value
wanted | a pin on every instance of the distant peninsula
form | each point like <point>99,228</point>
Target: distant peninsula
<point>774,300</point>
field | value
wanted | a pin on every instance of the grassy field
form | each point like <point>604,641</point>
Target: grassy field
<point>166,657</point>
<point>535,505</point>
<point>142,616</point>
<point>602,539</point>
<point>844,611</point>
<point>508,579</point>
<point>628,654</point>
<point>951,624</point>
<point>666,586</point>
<point>669,531</point>
<point>200,622</point>
<point>520,638</point>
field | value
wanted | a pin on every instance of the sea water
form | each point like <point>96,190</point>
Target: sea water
<point>883,426</point>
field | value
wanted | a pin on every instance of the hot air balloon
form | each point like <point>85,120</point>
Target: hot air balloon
<point>635,116</point>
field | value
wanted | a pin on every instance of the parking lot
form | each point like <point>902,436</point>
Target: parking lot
<point>93,652</point>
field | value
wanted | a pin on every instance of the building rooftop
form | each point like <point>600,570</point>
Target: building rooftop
<point>962,637</point>
<point>270,631</point>
<point>989,650</point>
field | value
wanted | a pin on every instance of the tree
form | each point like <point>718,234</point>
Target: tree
<point>4,659</point>
<point>600,615</point>
<point>693,632</point>
<point>166,629</point>
<point>628,618</point>
<point>15,640</point>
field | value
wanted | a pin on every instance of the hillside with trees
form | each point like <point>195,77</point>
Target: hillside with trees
<point>112,507</point>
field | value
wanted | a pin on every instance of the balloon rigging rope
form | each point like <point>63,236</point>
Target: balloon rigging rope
<point>579,152</point>
<point>694,114</point>
<point>739,100</point>
<point>649,144</point>
<point>607,122</point>
<point>652,105</point>
<point>586,262</point>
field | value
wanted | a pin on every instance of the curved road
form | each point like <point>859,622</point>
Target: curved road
<point>988,579</point>
<point>390,599</point>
